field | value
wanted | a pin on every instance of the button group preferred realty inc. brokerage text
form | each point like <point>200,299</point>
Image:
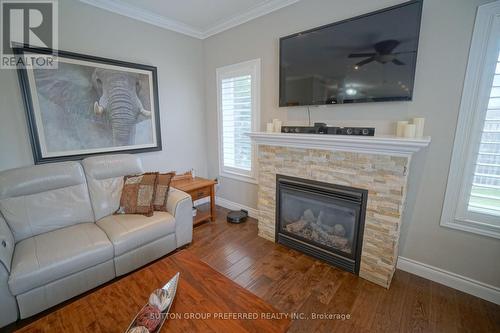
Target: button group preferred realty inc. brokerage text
<point>259,316</point>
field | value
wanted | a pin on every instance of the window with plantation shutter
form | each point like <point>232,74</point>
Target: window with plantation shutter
<point>472,200</point>
<point>485,191</point>
<point>238,108</point>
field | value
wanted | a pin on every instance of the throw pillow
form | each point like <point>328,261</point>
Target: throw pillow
<point>161,193</point>
<point>138,194</point>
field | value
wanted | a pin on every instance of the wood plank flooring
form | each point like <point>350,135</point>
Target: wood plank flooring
<point>201,290</point>
<point>296,283</point>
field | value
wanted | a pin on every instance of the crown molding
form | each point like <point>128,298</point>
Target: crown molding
<point>136,13</point>
<point>249,15</point>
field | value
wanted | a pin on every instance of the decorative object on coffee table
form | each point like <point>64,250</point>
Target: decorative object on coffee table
<point>152,316</point>
<point>198,188</point>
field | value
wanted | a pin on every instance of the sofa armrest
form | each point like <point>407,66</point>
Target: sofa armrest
<point>180,205</point>
<point>6,244</point>
<point>8,304</point>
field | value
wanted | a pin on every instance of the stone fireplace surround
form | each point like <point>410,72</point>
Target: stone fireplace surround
<point>378,164</point>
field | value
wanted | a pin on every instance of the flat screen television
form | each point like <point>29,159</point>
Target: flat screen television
<point>369,58</point>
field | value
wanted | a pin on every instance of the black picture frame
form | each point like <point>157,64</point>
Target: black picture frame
<point>33,129</point>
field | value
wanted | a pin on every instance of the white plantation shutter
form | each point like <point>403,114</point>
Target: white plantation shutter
<point>485,191</point>
<point>238,110</point>
<point>236,121</point>
<point>472,200</point>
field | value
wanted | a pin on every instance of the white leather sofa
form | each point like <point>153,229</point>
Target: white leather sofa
<point>59,237</point>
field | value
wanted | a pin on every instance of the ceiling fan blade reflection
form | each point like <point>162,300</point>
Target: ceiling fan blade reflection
<point>361,55</point>
<point>398,62</point>
<point>364,62</point>
<point>386,46</point>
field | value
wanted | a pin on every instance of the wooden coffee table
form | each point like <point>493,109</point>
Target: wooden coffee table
<point>206,301</point>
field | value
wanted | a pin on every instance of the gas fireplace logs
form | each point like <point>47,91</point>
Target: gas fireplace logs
<point>315,229</point>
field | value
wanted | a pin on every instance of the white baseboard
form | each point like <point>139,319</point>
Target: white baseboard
<point>452,280</point>
<point>252,212</point>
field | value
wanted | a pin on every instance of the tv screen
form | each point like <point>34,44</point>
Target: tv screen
<point>370,58</point>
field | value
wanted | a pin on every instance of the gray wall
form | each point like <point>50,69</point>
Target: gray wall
<point>88,30</point>
<point>444,44</point>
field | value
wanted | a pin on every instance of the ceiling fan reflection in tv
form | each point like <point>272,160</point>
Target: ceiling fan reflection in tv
<point>383,54</point>
<point>369,58</point>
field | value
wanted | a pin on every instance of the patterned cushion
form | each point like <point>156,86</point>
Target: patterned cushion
<point>138,194</point>
<point>161,193</point>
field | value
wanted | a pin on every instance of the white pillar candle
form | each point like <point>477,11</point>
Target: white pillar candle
<point>269,127</point>
<point>409,131</point>
<point>400,127</point>
<point>419,127</point>
<point>277,125</point>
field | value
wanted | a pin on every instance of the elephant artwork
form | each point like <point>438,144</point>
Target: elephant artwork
<point>86,107</point>
<point>119,102</point>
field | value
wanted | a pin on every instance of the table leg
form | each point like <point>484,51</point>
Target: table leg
<point>212,203</point>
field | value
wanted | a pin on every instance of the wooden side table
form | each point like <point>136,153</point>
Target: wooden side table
<point>199,188</point>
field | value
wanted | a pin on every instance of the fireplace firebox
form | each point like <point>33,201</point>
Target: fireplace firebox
<point>320,219</point>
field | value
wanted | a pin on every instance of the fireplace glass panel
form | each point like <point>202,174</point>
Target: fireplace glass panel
<point>325,221</point>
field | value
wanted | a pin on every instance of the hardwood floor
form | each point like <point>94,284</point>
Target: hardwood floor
<point>296,283</point>
<point>201,291</point>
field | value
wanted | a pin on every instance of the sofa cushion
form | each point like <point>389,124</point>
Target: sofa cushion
<point>42,198</point>
<point>129,231</point>
<point>138,194</point>
<point>53,255</point>
<point>162,188</point>
<point>105,180</point>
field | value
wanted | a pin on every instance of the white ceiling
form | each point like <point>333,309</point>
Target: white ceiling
<point>196,18</point>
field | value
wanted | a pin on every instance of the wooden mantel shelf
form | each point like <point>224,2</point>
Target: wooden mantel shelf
<point>386,145</point>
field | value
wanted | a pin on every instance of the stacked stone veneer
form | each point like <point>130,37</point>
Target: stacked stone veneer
<point>385,178</point>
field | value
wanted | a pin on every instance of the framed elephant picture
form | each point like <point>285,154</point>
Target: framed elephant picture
<point>89,105</point>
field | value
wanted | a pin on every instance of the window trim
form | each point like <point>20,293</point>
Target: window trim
<point>251,67</point>
<point>483,57</point>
